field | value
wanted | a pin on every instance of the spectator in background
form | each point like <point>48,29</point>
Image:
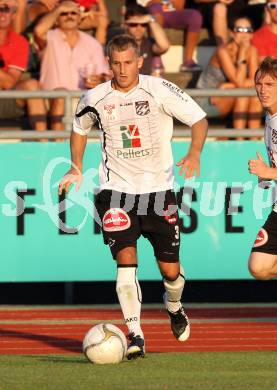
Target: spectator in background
<point>257,12</point>
<point>233,65</point>
<point>265,39</point>
<point>93,15</point>
<point>149,35</point>
<point>218,16</point>
<point>14,52</point>
<point>171,14</point>
<point>71,59</point>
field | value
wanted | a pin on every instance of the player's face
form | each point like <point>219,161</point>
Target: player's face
<point>125,66</point>
<point>266,87</point>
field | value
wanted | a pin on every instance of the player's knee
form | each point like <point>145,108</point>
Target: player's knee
<point>171,275</point>
<point>126,256</point>
<point>258,272</point>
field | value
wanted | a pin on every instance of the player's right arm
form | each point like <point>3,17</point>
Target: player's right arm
<point>82,124</point>
<point>74,175</point>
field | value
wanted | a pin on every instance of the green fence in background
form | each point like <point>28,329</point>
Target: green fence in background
<point>44,238</point>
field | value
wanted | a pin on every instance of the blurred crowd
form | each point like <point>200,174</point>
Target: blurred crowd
<point>60,45</point>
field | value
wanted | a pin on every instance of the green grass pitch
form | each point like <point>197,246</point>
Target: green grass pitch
<point>163,371</point>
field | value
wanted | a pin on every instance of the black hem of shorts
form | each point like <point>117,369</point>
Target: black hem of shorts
<point>168,260</point>
<point>263,251</point>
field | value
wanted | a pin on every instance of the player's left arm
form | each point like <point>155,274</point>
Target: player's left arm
<point>259,168</point>
<point>178,104</point>
<point>190,164</point>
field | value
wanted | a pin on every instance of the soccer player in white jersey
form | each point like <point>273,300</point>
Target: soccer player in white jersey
<point>263,259</point>
<point>135,118</point>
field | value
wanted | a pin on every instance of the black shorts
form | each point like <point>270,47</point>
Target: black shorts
<point>125,217</point>
<point>266,240</point>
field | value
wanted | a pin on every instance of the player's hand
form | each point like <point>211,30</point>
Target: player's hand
<point>66,7</point>
<point>72,176</point>
<point>49,4</point>
<point>189,165</point>
<point>244,44</point>
<point>259,167</point>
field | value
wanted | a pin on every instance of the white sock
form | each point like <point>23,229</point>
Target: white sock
<point>174,291</point>
<point>129,296</point>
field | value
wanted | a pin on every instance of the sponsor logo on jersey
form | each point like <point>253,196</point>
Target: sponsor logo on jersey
<point>131,143</point>
<point>131,319</point>
<point>133,153</point>
<point>142,108</point>
<point>174,89</point>
<point>110,112</point>
<point>171,215</point>
<point>126,104</point>
<point>111,242</point>
<point>261,238</point>
<point>130,136</point>
<point>115,220</point>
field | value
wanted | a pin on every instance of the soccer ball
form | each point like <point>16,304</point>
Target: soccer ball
<point>105,344</point>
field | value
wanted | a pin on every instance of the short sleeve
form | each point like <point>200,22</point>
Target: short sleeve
<point>84,118</point>
<point>179,104</point>
<point>273,122</point>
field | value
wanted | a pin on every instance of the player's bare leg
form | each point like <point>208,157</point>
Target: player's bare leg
<point>263,266</point>
<point>129,296</point>
<point>174,281</point>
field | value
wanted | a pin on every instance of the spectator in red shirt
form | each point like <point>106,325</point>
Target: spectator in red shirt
<point>265,38</point>
<point>14,52</point>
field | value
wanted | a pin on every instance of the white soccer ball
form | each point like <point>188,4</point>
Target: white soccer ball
<point>105,344</point>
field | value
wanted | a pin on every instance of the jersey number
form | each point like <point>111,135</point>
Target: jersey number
<point>177,235</point>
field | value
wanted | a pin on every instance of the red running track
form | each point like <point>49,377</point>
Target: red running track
<point>40,331</point>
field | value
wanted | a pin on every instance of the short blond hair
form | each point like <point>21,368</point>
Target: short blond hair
<point>122,42</point>
<point>267,66</point>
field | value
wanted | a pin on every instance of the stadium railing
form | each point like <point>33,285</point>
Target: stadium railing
<point>68,114</point>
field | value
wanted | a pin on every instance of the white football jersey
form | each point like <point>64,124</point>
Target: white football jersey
<point>270,137</point>
<point>135,129</point>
